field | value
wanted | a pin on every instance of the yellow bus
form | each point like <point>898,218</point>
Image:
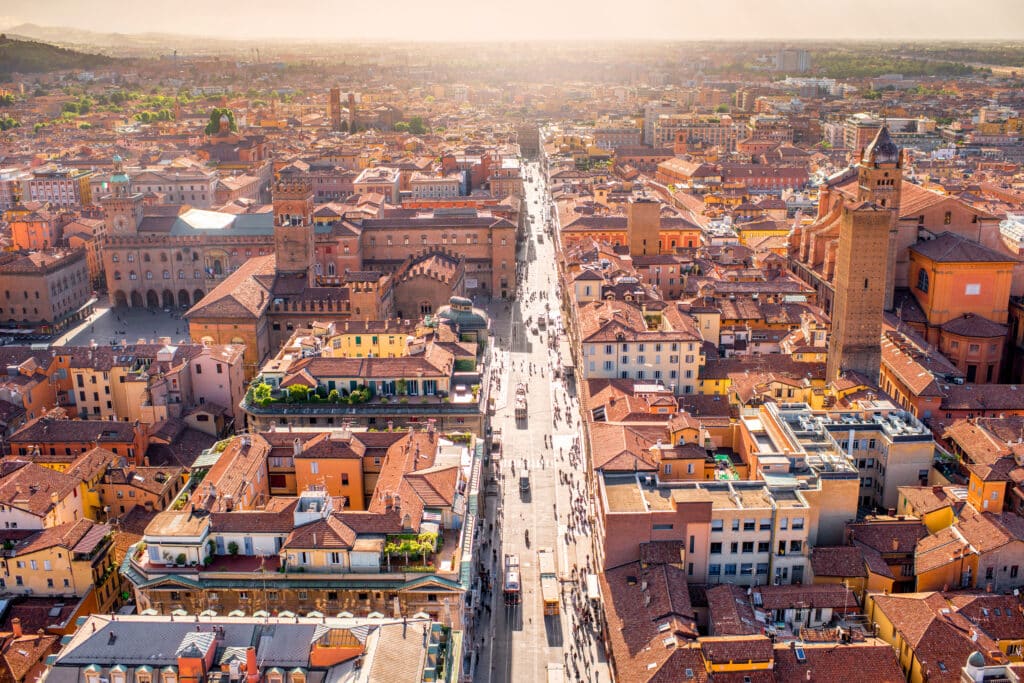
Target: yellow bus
<point>548,581</point>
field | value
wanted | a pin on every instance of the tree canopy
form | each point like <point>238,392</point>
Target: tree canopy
<point>214,125</point>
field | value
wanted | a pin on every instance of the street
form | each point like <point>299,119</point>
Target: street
<point>519,643</point>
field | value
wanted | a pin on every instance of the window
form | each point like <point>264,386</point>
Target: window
<point>798,523</point>
<point>662,527</point>
<point>795,546</point>
<point>730,570</point>
<point>716,525</point>
<point>747,568</point>
<point>314,467</point>
<point>748,546</point>
<point>735,525</point>
<point>922,280</point>
<point>972,289</point>
<point>765,524</point>
<point>764,547</point>
<point>714,569</point>
<point>716,548</point>
<point>734,547</point>
<point>749,525</point>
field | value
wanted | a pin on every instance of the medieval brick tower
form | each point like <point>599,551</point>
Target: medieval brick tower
<point>122,208</point>
<point>334,108</point>
<point>864,262</point>
<point>294,233</point>
<point>880,181</point>
<point>643,226</point>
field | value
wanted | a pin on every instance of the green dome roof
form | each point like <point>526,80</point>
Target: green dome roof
<point>460,312</point>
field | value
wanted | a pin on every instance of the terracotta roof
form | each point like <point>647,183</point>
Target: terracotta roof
<point>982,397</point>
<point>730,612</point>
<point>240,295</point>
<point>977,326</point>
<point>843,561</point>
<point>941,640</point>
<point>624,448</point>
<point>34,488</point>
<point>888,536</point>
<point>784,596</point>
<point>726,649</point>
<point>870,662</point>
<point>48,430</point>
<point>940,549</point>
<point>949,247</point>
<point>637,602</point>
<point>327,533</point>
<point>80,536</point>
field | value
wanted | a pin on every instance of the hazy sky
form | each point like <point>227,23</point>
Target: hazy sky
<point>537,19</point>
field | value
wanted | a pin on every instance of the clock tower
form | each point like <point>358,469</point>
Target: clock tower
<point>122,208</point>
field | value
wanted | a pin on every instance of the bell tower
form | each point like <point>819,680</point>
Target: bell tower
<point>294,231</point>
<point>865,262</point>
<point>880,182</point>
<point>122,208</point>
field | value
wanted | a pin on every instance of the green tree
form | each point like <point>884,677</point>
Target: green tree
<point>7,123</point>
<point>6,100</point>
<point>402,127</point>
<point>261,394</point>
<point>297,393</point>
<point>416,125</point>
<point>214,125</point>
<point>722,109</point>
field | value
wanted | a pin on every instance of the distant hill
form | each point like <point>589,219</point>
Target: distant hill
<point>25,56</point>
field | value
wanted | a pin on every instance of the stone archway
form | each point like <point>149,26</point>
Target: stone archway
<point>168,299</point>
<point>197,295</point>
<point>152,299</point>
<point>136,300</point>
<point>120,299</point>
<point>183,299</point>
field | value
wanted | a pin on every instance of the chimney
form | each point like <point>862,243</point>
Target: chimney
<point>297,447</point>
<point>252,670</point>
<point>895,544</point>
<point>16,627</point>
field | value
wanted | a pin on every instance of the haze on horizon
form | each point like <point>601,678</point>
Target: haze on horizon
<point>463,20</point>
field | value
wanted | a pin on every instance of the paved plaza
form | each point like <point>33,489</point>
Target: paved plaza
<point>116,325</point>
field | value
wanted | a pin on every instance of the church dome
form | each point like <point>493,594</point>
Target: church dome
<point>460,311</point>
<point>977,660</point>
<point>882,149</point>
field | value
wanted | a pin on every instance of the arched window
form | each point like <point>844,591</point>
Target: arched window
<point>922,280</point>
